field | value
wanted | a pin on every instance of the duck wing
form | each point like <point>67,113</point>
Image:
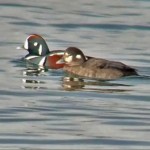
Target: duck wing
<point>106,64</point>
<point>115,65</point>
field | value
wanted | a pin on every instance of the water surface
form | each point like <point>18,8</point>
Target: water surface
<point>43,110</point>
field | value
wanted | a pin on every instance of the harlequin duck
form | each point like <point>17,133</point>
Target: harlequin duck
<point>96,68</point>
<point>39,53</point>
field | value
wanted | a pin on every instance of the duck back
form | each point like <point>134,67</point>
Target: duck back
<point>102,69</point>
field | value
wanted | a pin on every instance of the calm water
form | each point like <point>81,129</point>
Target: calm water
<point>44,110</point>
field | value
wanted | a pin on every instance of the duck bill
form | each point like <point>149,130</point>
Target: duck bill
<point>21,47</point>
<point>60,61</point>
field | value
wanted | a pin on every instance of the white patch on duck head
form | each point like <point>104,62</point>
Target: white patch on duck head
<point>78,56</point>
<point>35,43</point>
<point>86,58</point>
<point>26,45</point>
<point>40,49</point>
<point>68,59</point>
<point>66,54</point>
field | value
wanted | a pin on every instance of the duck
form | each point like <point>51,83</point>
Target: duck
<point>78,64</point>
<point>39,53</point>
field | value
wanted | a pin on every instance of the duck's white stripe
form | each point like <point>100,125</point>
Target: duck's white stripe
<point>30,57</point>
<point>41,63</point>
<point>57,53</point>
<point>40,49</point>
<point>26,46</point>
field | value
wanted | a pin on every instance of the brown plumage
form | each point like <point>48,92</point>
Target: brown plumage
<point>96,68</point>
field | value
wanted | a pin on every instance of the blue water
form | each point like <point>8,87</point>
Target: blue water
<point>42,110</point>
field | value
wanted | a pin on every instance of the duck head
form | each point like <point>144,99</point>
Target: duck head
<point>36,45</point>
<point>73,56</point>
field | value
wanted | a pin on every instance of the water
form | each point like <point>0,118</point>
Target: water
<point>43,110</point>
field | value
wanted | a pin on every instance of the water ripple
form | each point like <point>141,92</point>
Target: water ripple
<point>44,108</point>
<point>102,26</point>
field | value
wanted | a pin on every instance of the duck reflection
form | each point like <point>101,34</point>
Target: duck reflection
<point>31,74</point>
<point>33,71</point>
<point>74,83</point>
<point>30,79</point>
<point>33,84</point>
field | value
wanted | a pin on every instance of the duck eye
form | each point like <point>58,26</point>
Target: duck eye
<point>35,43</point>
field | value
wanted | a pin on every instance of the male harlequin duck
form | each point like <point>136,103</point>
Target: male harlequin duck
<point>95,68</point>
<point>39,53</point>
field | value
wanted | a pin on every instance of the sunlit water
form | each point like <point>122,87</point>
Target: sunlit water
<point>45,110</point>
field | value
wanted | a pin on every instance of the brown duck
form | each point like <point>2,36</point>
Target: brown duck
<point>96,68</point>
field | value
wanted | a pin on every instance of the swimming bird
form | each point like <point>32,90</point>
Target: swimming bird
<point>96,68</point>
<point>39,53</point>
